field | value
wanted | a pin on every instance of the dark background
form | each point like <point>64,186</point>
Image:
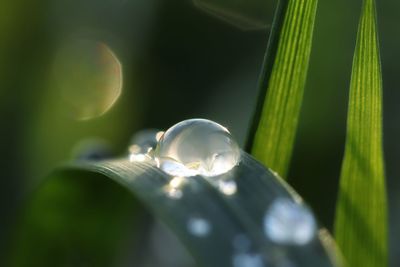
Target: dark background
<point>179,62</point>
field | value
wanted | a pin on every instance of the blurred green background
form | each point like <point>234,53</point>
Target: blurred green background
<point>61,64</point>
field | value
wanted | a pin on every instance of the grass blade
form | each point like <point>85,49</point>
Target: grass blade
<point>228,215</point>
<point>361,218</point>
<point>283,79</point>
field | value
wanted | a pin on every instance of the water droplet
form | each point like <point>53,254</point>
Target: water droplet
<point>287,222</point>
<point>198,226</point>
<point>247,260</point>
<point>227,187</point>
<point>174,193</point>
<point>143,144</point>
<point>245,14</point>
<point>88,76</point>
<point>173,188</point>
<point>197,147</point>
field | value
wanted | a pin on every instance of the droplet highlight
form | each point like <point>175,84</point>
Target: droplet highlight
<point>198,226</point>
<point>92,149</point>
<point>289,223</point>
<point>197,147</point>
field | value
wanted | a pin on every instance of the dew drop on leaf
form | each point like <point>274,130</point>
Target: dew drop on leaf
<point>289,223</point>
<point>197,147</point>
<point>227,187</point>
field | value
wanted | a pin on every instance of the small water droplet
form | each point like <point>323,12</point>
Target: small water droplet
<point>88,76</point>
<point>174,193</point>
<point>287,222</point>
<point>198,226</point>
<point>142,145</point>
<point>197,147</point>
<point>247,260</point>
<point>227,187</point>
<point>173,188</point>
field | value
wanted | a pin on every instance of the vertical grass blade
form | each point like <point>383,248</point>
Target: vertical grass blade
<point>361,219</point>
<point>283,79</point>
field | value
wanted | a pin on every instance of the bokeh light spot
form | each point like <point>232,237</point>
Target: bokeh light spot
<point>88,76</point>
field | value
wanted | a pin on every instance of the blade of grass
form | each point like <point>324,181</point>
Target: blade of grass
<point>361,216</point>
<point>228,216</point>
<point>283,79</point>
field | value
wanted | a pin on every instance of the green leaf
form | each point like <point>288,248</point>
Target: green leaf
<point>282,84</point>
<point>64,225</point>
<point>361,218</point>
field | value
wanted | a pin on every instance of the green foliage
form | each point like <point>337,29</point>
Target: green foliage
<point>361,219</point>
<point>283,80</point>
<point>66,223</point>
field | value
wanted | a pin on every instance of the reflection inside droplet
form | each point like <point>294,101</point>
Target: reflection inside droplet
<point>287,222</point>
<point>198,226</point>
<point>88,76</point>
<point>197,147</point>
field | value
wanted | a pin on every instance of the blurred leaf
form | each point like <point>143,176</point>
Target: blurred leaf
<point>361,219</point>
<point>282,84</point>
<point>77,220</point>
<point>245,14</point>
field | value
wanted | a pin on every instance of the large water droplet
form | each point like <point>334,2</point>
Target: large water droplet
<point>289,223</point>
<point>197,147</point>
